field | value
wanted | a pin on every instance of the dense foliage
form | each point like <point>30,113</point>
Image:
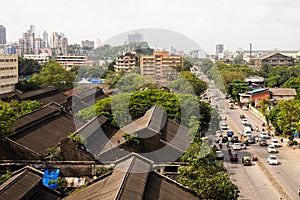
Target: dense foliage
<point>188,83</point>
<point>28,67</point>
<point>53,74</point>
<point>178,106</point>
<point>204,175</point>
<point>10,111</point>
<point>285,117</point>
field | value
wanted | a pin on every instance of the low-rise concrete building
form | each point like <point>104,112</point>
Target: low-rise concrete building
<point>274,59</point>
<point>71,60</point>
<point>282,93</point>
<point>41,58</point>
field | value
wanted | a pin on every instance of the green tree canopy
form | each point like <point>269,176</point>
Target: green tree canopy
<point>179,107</point>
<point>204,175</point>
<point>188,83</point>
<point>284,115</point>
<point>53,74</point>
<point>28,66</point>
<point>130,82</point>
<point>7,119</point>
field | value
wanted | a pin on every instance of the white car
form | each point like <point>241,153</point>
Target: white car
<point>275,143</point>
<point>264,134</point>
<point>236,146</point>
<point>244,121</point>
<point>245,108</point>
<point>272,149</point>
<point>272,160</point>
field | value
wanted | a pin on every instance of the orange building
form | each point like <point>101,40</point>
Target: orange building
<point>160,67</point>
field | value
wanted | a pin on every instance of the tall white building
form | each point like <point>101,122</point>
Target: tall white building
<point>8,73</point>
<point>59,42</point>
<point>2,35</point>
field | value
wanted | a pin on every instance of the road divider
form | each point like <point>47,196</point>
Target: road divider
<point>284,195</point>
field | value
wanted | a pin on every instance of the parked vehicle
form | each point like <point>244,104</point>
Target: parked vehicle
<point>231,106</point>
<point>272,160</point>
<point>246,161</point>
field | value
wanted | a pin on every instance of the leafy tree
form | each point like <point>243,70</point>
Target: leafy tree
<point>204,175</point>
<point>55,153</point>
<point>188,83</point>
<point>293,82</point>
<point>285,115</point>
<point>274,81</point>
<point>7,119</point>
<point>111,66</point>
<point>102,171</point>
<point>131,138</point>
<point>4,177</point>
<point>130,82</point>
<point>206,65</point>
<point>179,107</point>
<point>24,107</point>
<point>28,66</point>
<point>27,85</point>
<point>53,74</point>
<point>187,65</point>
<point>236,89</point>
<point>265,104</point>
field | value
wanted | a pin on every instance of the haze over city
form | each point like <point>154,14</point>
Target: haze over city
<point>268,24</point>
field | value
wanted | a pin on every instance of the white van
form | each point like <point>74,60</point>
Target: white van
<point>247,129</point>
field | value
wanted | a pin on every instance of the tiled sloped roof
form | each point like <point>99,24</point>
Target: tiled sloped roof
<point>44,128</point>
<point>9,150</point>
<point>27,184</point>
<point>133,178</point>
<point>161,140</point>
<point>45,96</point>
<point>97,133</point>
<point>283,91</point>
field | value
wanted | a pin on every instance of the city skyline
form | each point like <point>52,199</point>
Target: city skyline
<point>267,25</point>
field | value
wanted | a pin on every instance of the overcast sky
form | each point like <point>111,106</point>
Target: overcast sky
<point>267,24</point>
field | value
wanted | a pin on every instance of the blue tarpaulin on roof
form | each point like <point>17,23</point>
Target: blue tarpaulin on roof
<point>95,80</point>
<point>258,90</point>
<point>51,175</point>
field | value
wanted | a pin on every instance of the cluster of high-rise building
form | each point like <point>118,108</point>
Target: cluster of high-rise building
<point>30,43</point>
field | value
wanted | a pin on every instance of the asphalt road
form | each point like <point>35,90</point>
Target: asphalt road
<point>251,180</point>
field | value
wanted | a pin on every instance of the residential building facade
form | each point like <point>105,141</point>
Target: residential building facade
<point>160,66</point>
<point>71,60</point>
<point>126,62</point>
<point>8,73</point>
<point>274,59</point>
